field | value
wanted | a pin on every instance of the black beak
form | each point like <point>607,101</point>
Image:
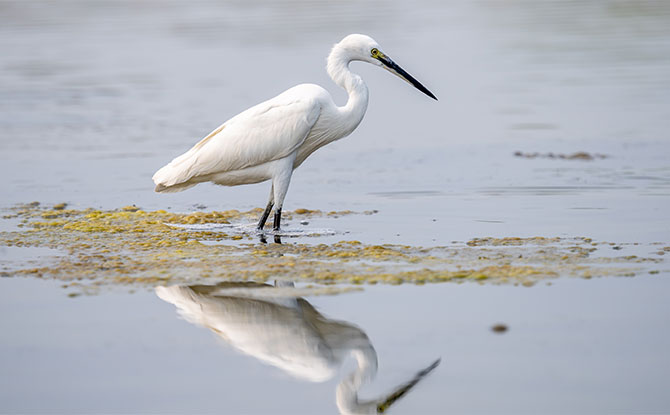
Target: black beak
<point>402,390</point>
<point>396,69</point>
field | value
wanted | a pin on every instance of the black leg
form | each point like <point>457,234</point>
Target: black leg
<point>277,219</point>
<point>277,239</point>
<point>265,215</point>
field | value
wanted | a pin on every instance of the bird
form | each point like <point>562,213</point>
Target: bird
<point>270,140</point>
<point>276,326</point>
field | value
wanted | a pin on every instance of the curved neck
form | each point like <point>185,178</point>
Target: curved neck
<point>346,395</point>
<point>338,68</point>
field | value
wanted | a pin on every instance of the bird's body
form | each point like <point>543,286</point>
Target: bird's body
<point>253,146</point>
<point>287,332</point>
<point>284,331</point>
<point>270,140</point>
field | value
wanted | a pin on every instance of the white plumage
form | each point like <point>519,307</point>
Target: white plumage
<point>287,332</point>
<point>270,140</point>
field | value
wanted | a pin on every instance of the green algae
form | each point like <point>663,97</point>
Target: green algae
<point>131,246</point>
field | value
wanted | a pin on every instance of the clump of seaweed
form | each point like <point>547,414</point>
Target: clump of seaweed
<point>580,155</point>
<point>131,246</point>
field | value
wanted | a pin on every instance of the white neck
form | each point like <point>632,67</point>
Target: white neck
<point>338,68</point>
<point>346,395</point>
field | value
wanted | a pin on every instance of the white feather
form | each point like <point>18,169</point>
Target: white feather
<point>271,139</point>
<point>266,132</point>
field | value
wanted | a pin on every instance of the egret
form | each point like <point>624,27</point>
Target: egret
<point>270,140</point>
<point>286,331</point>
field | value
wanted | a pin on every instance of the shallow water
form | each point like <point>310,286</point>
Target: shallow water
<point>94,97</point>
<point>575,346</point>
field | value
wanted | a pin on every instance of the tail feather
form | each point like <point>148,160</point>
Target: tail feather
<point>174,188</point>
<point>176,175</point>
<point>188,303</point>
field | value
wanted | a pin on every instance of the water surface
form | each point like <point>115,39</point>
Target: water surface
<point>94,97</point>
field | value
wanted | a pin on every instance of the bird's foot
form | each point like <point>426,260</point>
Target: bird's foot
<point>263,239</point>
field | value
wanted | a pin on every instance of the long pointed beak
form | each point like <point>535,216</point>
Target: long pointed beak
<point>402,390</point>
<point>397,70</point>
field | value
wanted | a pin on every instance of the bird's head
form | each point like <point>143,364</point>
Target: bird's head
<point>364,48</point>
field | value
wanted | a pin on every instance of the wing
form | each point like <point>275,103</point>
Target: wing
<point>268,131</point>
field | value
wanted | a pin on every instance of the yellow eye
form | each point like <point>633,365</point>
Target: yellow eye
<point>374,52</point>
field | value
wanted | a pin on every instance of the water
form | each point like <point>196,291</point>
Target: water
<point>94,97</point>
<point>575,346</point>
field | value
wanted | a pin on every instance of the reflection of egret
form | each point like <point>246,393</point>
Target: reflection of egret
<point>287,332</point>
<point>271,139</point>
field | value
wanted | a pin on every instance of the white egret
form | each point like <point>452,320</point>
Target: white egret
<point>287,332</point>
<point>270,140</point>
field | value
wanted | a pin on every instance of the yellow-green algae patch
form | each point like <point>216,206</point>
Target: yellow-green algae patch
<point>136,247</point>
